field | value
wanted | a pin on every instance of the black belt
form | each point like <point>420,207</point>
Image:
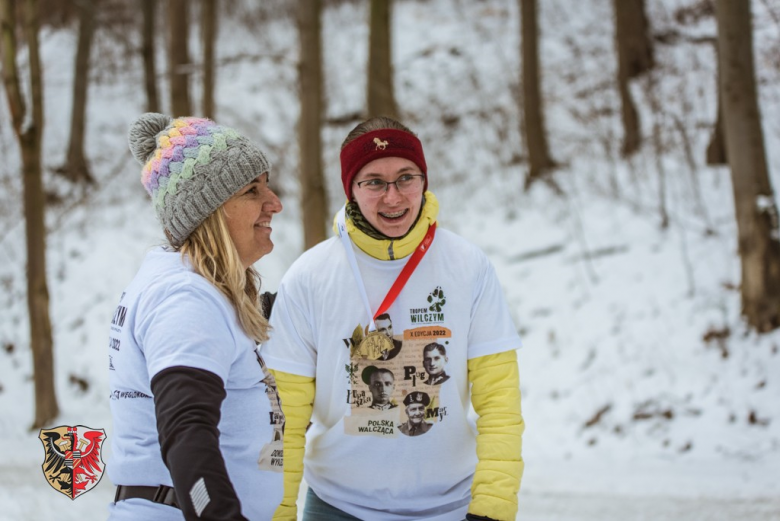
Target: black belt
<point>162,494</point>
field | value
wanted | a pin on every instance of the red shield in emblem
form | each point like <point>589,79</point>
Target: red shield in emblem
<point>72,463</point>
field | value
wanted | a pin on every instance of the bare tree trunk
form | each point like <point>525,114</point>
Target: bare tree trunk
<point>147,50</point>
<point>29,131</point>
<point>635,56</point>
<point>381,97</point>
<point>655,106</point>
<point>313,197</point>
<point>535,134</point>
<point>632,136</point>
<point>755,208</point>
<point>76,167</point>
<point>208,17</point>
<point>179,60</point>
<point>716,150</point>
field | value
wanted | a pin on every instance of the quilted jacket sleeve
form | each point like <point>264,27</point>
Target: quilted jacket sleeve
<point>495,395</point>
<point>297,396</point>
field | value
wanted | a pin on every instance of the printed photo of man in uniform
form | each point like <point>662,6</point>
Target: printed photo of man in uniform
<point>434,359</point>
<point>415,403</point>
<point>381,382</point>
<point>385,325</point>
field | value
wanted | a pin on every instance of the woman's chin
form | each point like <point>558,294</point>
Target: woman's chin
<point>393,230</point>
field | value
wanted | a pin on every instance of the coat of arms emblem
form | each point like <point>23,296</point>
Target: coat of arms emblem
<point>72,463</point>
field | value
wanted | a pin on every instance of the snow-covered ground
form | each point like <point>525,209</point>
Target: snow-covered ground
<point>645,396</point>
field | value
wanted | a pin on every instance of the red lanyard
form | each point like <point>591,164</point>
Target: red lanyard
<point>403,277</point>
<point>409,268</point>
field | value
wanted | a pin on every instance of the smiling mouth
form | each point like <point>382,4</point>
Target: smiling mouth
<point>395,215</point>
<point>263,224</point>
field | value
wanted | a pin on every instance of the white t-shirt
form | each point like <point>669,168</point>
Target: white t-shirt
<point>404,450</point>
<point>170,316</point>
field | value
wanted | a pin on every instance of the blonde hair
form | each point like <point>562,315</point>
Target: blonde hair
<point>214,256</point>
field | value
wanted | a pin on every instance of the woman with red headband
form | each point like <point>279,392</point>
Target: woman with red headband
<point>419,456</point>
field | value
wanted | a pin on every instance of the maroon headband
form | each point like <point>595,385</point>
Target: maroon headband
<point>386,142</point>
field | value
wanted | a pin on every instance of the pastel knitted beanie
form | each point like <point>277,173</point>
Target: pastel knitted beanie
<point>192,166</point>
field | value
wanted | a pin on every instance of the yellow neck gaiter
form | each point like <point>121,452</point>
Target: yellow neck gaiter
<point>395,248</point>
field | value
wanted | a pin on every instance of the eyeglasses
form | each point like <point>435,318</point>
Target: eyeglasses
<point>406,184</point>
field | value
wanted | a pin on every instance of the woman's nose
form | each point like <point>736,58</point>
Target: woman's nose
<point>275,204</point>
<point>391,193</point>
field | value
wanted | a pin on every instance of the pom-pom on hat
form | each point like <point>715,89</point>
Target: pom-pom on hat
<point>192,166</point>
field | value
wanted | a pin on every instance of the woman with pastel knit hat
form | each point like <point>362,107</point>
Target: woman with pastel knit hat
<point>190,401</point>
<point>389,256</point>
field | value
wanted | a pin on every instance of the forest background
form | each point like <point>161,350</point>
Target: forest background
<point>583,145</point>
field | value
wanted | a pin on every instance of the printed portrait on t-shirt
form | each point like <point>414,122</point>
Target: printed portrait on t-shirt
<point>434,359</point>
<point>384,325</point>
<point>381,383</point>
<point>394,380</point>
<point>416,404</point>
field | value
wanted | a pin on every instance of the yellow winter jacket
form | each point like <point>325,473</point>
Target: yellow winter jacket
<point>297,396</point>
<point>495,395</point>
